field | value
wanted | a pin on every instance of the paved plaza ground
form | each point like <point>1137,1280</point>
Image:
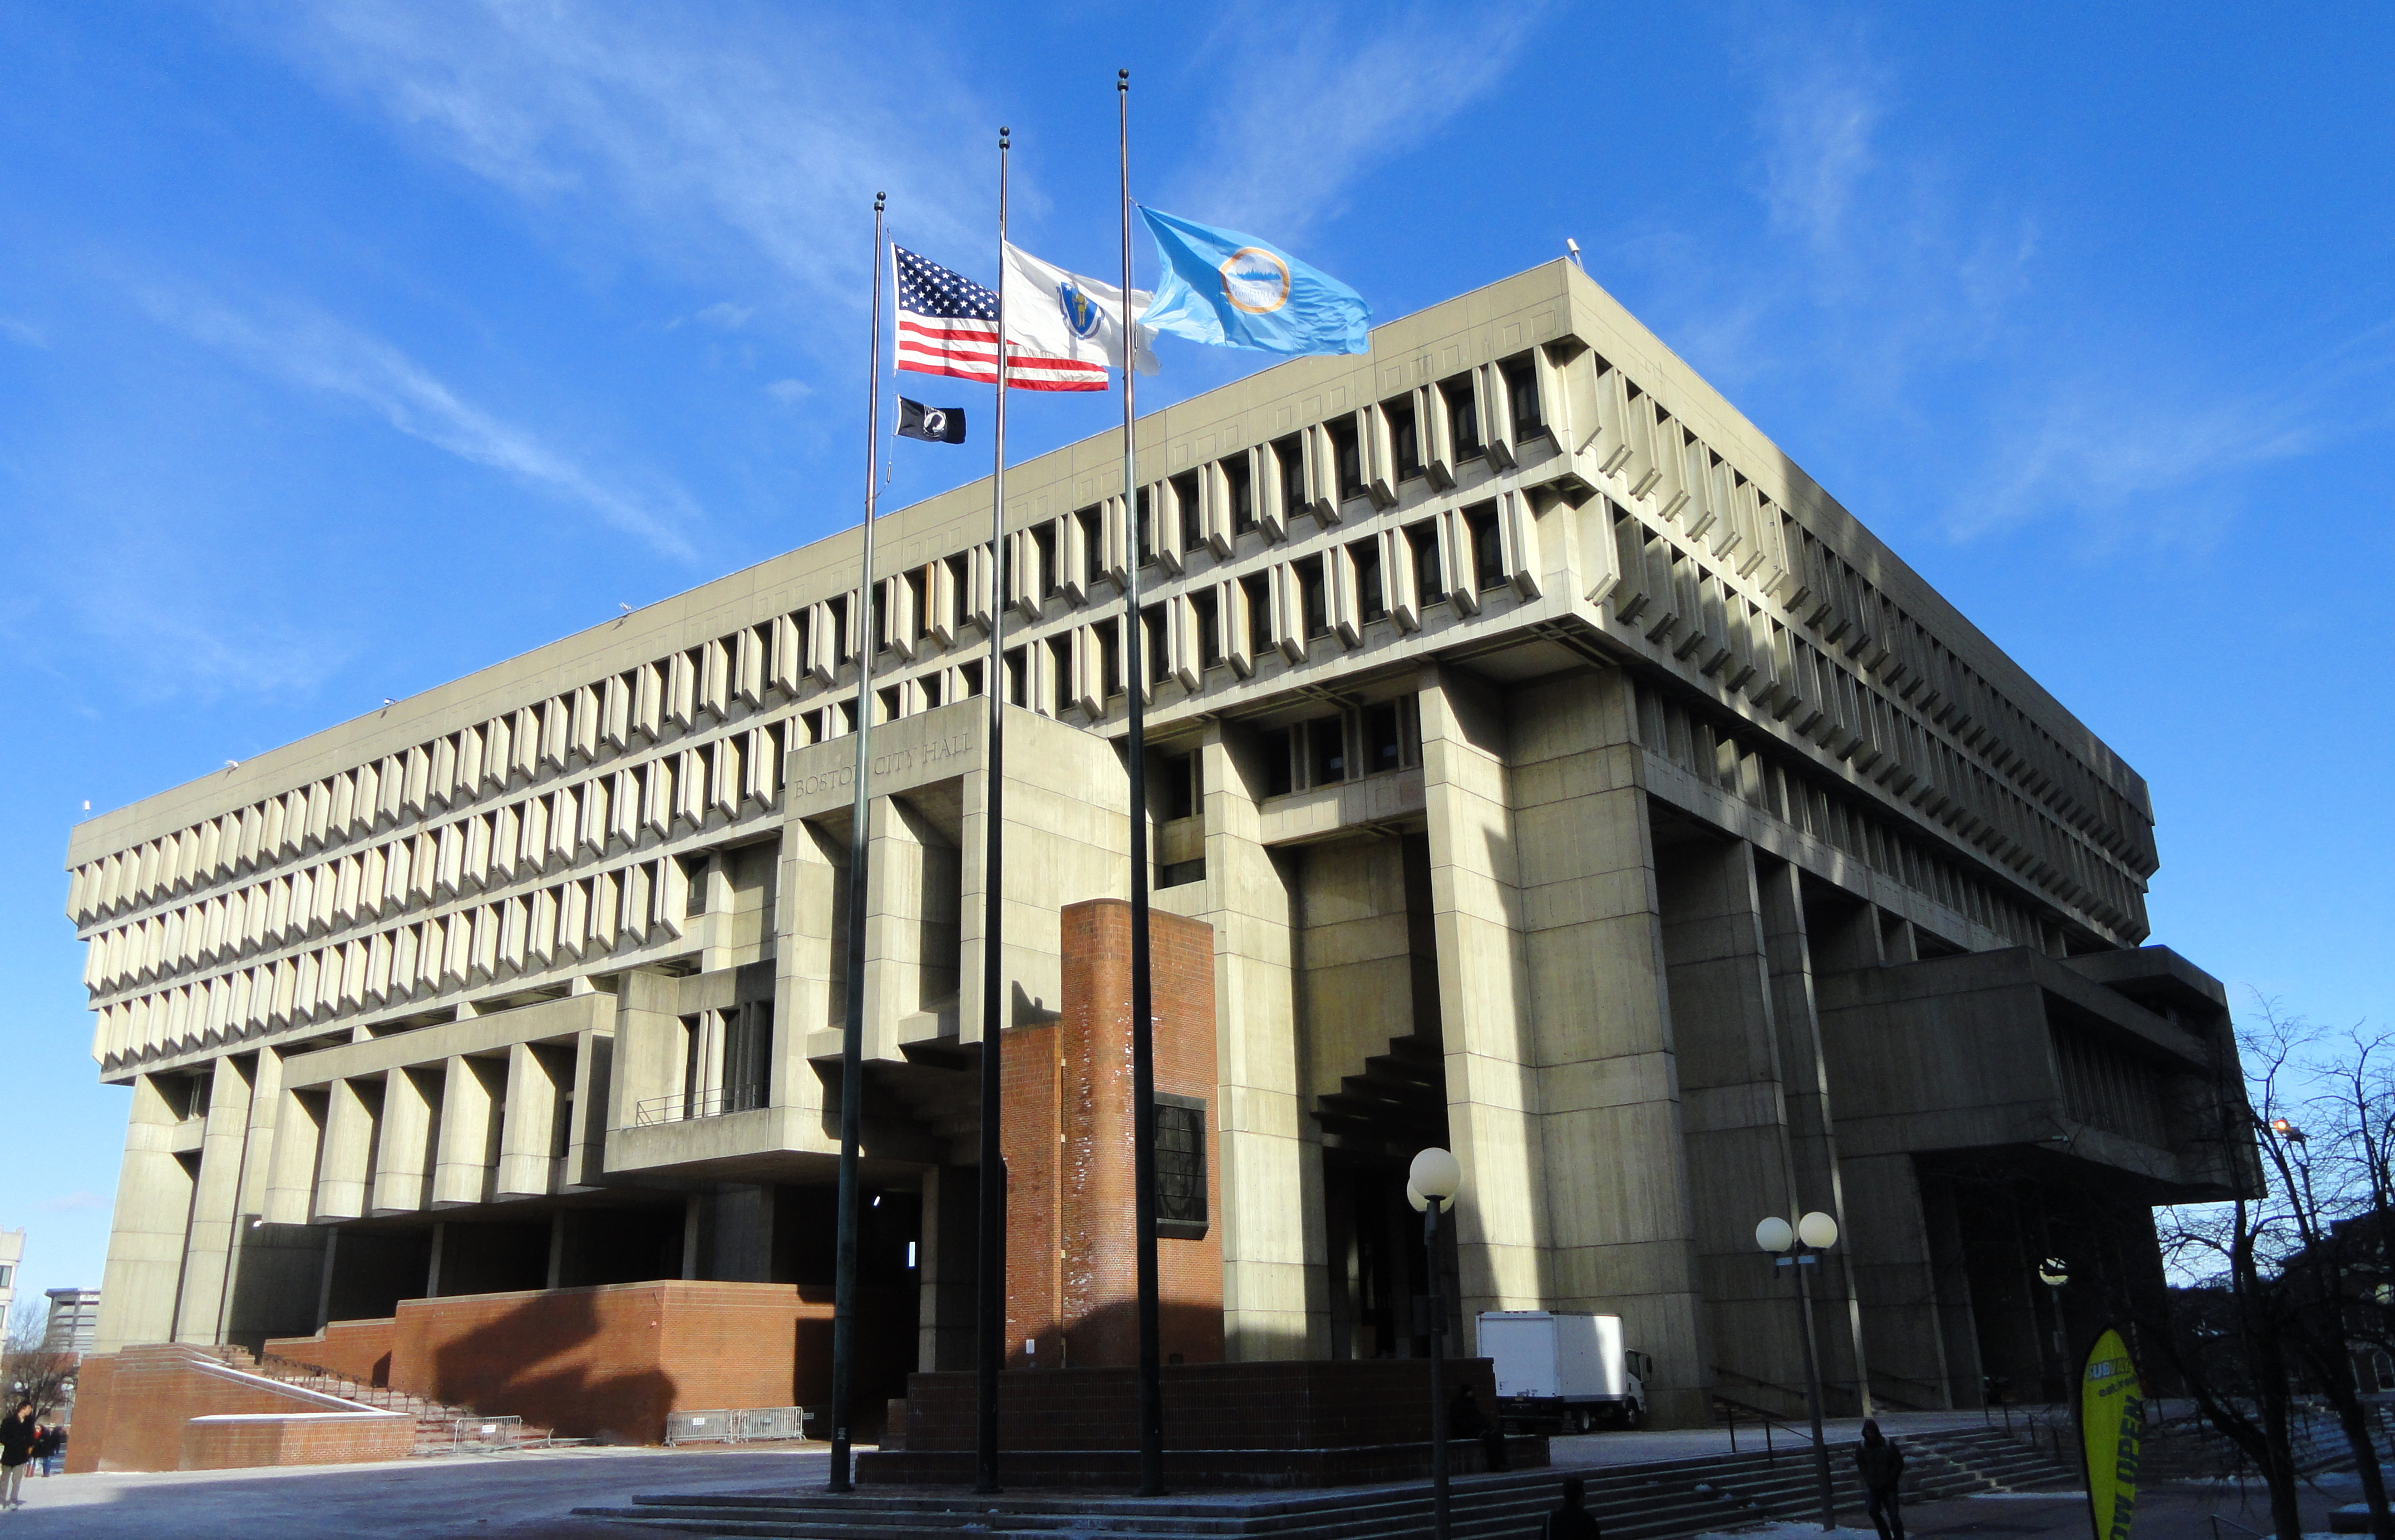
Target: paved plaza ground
<point>529,1495</point>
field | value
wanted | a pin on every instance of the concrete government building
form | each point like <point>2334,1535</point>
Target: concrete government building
<point>1562,776</point>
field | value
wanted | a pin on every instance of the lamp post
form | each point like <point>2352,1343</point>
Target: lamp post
<point>2054,1272</point>
<point>1431,1187</point>
<point>1798,1249</point>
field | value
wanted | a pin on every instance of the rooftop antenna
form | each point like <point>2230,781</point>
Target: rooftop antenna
<point>1571,248</point>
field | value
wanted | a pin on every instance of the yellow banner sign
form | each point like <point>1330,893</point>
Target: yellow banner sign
<point>2111,1422</point>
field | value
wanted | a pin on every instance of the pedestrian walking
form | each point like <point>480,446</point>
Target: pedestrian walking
<point>1571,1520</point>
<point>48,1444</point>
<point>15,1449</point>
<point>1881,1464</point>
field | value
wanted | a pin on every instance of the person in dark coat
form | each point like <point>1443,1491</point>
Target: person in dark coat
<point>48,1444</point>
<point>15,1449</point>
<point>1571,1520</point>
<point>1464,1420</point>
<point>1881,1465</point>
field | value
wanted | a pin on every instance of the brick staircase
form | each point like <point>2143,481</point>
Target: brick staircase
<point>436,1422</point>
<point>1662,1500</point>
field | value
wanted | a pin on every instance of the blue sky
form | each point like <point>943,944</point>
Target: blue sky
<point>347,348</point>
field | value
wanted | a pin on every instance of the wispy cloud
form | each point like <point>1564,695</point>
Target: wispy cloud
<point>19,332</point>
<point>708,138</point>
<point>322,354</point>
<point>67,1203</point>
<point>1337,95</point>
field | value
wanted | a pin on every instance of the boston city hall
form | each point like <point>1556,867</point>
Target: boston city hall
<point>1543,765</point>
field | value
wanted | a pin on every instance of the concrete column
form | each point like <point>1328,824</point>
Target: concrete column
<point>528,1124</point>
<point>411,1100</point>
<point>354,1108</point>
<point>145,1240</point>
<point>1812,1132</point>
<point>586,1145</point>
<point>208,1252</point>
<point>1617,1190</point>
<point>946,1267</point>
<point>1276,1284</point>
<point>467,1162</point>
<point>1888,1249</point>
<point>1484,1000</point>
<point>652,1049</point>
<point>1734,1124</point>
<point>299,1139</point>
<point>808,957</point>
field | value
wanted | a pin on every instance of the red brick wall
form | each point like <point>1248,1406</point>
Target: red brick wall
<point>615,1360</point>
<point>1068,1135</point>
<point>358,1349</point>
<point>132,1408</point>
<point>338,1440</point>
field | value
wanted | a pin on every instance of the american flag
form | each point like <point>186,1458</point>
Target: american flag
<point>948,325</point>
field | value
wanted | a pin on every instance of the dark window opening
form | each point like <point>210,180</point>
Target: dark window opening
<point>1522,386</point>
<point>1384,747</point>
<point>1176,874</point>
<point>969,677</point>
<point>1159,657</point>
<point>1110,669</point>
<point>1423,540</point>
<point>889,698</point>
<point>1313,601</point>
<point>847,716</point>
<point>1347,454</point>
<point>1487,546</point>
<point>930,684</point>
<point>1326,751</point>
<point>1180,1167</point>
<point>1463,422</point>
<point>1180,786</point>
<point>960,589</point>
<point>1018,682</point>
<point>1193,512</point>
<point>1060,667</point>
<point>917,589</point>
<point>1044,543</point>
<point>1147,521</point>
<point>1289,454</point>
<point>839,608</point>
<point>1404,439</point>
<point>1275,748</point>
<point>1210,627</point>
<point>1258,589</point>
<point>1243,495</point>
<point>1372,597</point>
<point>1094,546</point>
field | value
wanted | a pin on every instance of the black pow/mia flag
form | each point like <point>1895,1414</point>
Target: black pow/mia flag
<point>934,425</point>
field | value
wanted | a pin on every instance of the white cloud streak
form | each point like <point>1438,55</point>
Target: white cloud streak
<point>1336,95</point>
<point>676,127</point>
<point>321,354</point>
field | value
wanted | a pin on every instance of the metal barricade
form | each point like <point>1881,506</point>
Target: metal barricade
<point>469,1434</point>
<point>760,1422</point>
<point>712,1427</point>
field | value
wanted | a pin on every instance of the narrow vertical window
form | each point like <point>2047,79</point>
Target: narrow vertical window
<point>1372,599</point>
<point>1243,495</point>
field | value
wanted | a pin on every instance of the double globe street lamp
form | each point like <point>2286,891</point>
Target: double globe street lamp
<point>1797,1248</point>
<point>1431,1185</point>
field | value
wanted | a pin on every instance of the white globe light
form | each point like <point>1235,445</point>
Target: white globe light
<point>1818,1229</point>
<point>1773,1234</point>
<point>1436,1174</point>
<point>1418,1202</point>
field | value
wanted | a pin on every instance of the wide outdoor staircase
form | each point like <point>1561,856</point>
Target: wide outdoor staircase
<point>1663,1500</point>
<point>438,1424</point>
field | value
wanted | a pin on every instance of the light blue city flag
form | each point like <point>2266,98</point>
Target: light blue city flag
<point>1235,291</point>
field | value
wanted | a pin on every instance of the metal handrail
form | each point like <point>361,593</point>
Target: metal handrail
<point>683,1106</point>
<point>2217,1521</point>
<point>1731,1406</point>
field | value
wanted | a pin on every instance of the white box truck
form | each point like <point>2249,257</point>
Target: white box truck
<point>1565,1371</point>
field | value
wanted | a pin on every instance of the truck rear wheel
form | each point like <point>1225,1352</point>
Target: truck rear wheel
<point>1581,1421</point>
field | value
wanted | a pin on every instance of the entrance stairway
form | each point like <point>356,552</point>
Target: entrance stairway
<point>2003,1461</point>
<point>1663,1500</point>
<point>437,1423</point>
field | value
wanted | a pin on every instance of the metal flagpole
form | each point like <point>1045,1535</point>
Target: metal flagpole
<point>988,1346</point>
<point>1143,1038</point>
<point>852,1048</point>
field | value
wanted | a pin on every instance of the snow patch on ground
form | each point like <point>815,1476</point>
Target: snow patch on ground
<point>1794,1531</point>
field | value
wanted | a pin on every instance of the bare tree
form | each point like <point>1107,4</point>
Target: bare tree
<point>28,1369</point>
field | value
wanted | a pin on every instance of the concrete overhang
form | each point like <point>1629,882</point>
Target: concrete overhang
<point>547,1022</point>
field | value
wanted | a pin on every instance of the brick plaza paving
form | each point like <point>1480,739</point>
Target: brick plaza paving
<point>529,1495</point>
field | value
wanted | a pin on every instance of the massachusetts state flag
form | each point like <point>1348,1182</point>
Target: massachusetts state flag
<point>948,325</point>
<point>1063,315</point>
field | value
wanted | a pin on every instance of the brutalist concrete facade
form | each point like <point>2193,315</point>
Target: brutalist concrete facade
<point>1565,776</point>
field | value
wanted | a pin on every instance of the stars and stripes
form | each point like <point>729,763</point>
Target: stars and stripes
<point>948,325</point>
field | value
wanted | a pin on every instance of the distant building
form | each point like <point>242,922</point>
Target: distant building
<point>75,1318</point>
<point>12,1253</point>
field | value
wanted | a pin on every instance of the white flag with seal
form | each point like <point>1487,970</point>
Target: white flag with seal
<point>1064,316</point>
